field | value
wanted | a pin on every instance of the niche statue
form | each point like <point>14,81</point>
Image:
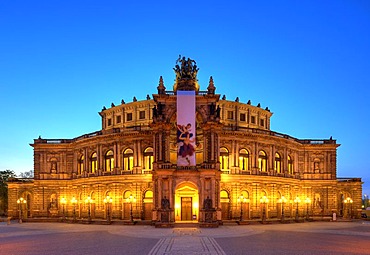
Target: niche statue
<point>165,203</point>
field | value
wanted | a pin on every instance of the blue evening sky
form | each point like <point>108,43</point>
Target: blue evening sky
<point>308,61</point>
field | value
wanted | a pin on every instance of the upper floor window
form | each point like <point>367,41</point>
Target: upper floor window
<point>118,119</point>
<point>290,165</point>
<point>128,159</point>
<point>230,115</point>
<point>253,119</point>
<point>224,158</point>
<point>109,161</point>
<point>262,161</point>
<point>148,158</point>
<point>262,123</point>
<point>94,162</point>
<point>277,162</point>
<point>81,164</point>
<point>109,122</point>
<point>142,115</point>
<point>243,159</point>
<point>242,117</point>
<point>129,116</point>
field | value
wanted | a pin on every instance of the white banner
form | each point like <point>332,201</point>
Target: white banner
<point>186,128</point>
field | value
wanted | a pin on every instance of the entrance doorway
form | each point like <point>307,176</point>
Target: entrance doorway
<point>186,202</point>
<point>186,208</point>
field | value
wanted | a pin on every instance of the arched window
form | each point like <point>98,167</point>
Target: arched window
<point>290,165</point>
<point>81,164</point>
<point>109,161</point>
<point>277,163</point>
<point>148,158</point>
<point>243,159</point>
<point>94,163</point>
<point>262,161</point>
<point>224,159</point>
<point>128,159</point>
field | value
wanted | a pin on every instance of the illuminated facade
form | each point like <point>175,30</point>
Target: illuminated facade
<point>242,171</point>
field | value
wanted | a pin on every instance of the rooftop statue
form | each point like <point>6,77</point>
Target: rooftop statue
<point>186,73</point>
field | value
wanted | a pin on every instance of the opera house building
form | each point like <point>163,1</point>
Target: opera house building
<point>184,155</point>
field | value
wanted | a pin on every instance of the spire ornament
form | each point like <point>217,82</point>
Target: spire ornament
<point>211,87</point>
<point>161,88</point>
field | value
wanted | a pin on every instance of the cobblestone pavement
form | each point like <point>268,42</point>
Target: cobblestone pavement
<point>297,238</point>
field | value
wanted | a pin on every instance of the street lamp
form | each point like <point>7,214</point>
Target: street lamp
<point>89,201</point>
<point>74,202</point>
<point>297,200</point>
<point>131,199</point>
<point>242,200</point>
<point>107,201</point>
<point>63,201</point>
<point>347,201</point>
<point>307,201</point>
<point>264,200</point>
<point>282,200</point>
<point>20,202</point>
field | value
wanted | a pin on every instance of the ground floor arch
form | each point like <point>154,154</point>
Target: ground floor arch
<point>186,202</point>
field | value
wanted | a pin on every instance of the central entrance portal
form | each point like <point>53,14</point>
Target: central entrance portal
<point>186,208</point>
<point>186,202</point>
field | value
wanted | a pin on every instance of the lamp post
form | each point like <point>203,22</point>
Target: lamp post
<point>63,201</point>
<point>74,202</point>
<point>20,202</point>
<point>107,201</point>
<point>89,201</point>
<point>307,201</point>
<point>297,200</point>
<point>242,200</point>
<point>348,201</point>
<point>264,200</point>
<point>131,199</point>
<point>282,200</point>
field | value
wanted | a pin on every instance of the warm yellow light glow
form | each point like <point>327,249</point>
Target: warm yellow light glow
<point>297,200</point>
<point>307,200</point>
<point>177,206</point>
<point>89,200</point>
<point>348,200</point>
<point>74,200</point>
<point>196,205</point>
<point>131,199</point>
<point>282,200</point>
<point>264,200</point>
<point>63,200</point>
<point>21,201</point>
<point>108,200</point>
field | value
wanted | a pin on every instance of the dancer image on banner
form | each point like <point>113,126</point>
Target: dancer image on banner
<point>185,141</point>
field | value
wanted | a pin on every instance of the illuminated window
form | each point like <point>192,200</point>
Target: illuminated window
<point>129,116</point>
<point>148,158</point>
<point>242,117</point>
<point>290,165</point>
<point>243,159</point>
<point>128,159</point>
<point>262,161</point>
<point>94,162</point>
<point>81,165</point>
<point>142,115</point>
<point>277,163</point>
<point>109,161</point>
<point>224,159</point>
